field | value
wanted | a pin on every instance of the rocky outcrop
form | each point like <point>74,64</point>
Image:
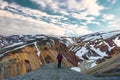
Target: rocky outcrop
<point>114,51</point>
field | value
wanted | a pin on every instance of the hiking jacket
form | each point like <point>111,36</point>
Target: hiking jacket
<point>59,57</point>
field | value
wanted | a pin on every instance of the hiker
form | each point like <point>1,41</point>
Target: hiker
<point>59,57</point>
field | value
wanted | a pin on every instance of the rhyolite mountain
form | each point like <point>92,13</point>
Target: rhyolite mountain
<point>92,53</point>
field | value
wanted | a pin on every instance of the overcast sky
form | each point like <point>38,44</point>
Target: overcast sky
<point>58,17</point>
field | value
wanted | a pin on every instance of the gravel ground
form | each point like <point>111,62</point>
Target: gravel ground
<point>111,78</point>
<point>51,72</point>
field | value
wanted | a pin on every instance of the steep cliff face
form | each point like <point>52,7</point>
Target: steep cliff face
<point>19,62</point>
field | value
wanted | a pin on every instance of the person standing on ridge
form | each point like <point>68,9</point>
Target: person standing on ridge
<point>59,57</point>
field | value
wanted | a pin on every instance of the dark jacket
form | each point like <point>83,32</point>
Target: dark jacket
<point>59,57</point>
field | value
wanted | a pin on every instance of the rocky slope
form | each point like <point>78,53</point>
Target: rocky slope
<point>51,72</point>
<point>96,48</point>
<point>105,68</point>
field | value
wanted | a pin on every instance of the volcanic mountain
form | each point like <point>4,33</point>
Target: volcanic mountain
<point>89,53</point>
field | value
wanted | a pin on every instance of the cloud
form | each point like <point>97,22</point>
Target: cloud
<point>79,16</point>
<point>28,13</point>
<point>92,7</point>
<point>111,24</point>
<point>112,1</point>
<point>3,4</point>
<point>75,30</point>
<point>28,23</point>
<point>45,3</point>
<point>53,17</point>
<point>82,30</point>
<point>108,16</point>
<point>17,26</point>
<point>93,22</point>
<point>41,3</point>
<point>84,17</point>
<point>114,25</point>
<point>24,26</point>
<point>73,4</point>
<point>63,12</point>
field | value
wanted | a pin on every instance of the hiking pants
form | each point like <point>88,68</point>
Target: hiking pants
<point>59,63</point>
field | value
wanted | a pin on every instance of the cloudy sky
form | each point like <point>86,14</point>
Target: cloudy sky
<point>58,17</point>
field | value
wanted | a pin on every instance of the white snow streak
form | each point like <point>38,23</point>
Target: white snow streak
<point>117,42</point>
<point>14,44</point>
<point>102,54</point>
<point>12,50</point>
<point>81,52</point>
<point>38,52</point>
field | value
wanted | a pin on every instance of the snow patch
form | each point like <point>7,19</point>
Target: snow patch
<point>81,52</point>
<point>76,69</point>
<point>70,40</point>
<point>93,63</point>
<point>117,42</point>
<point>40,36</point>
